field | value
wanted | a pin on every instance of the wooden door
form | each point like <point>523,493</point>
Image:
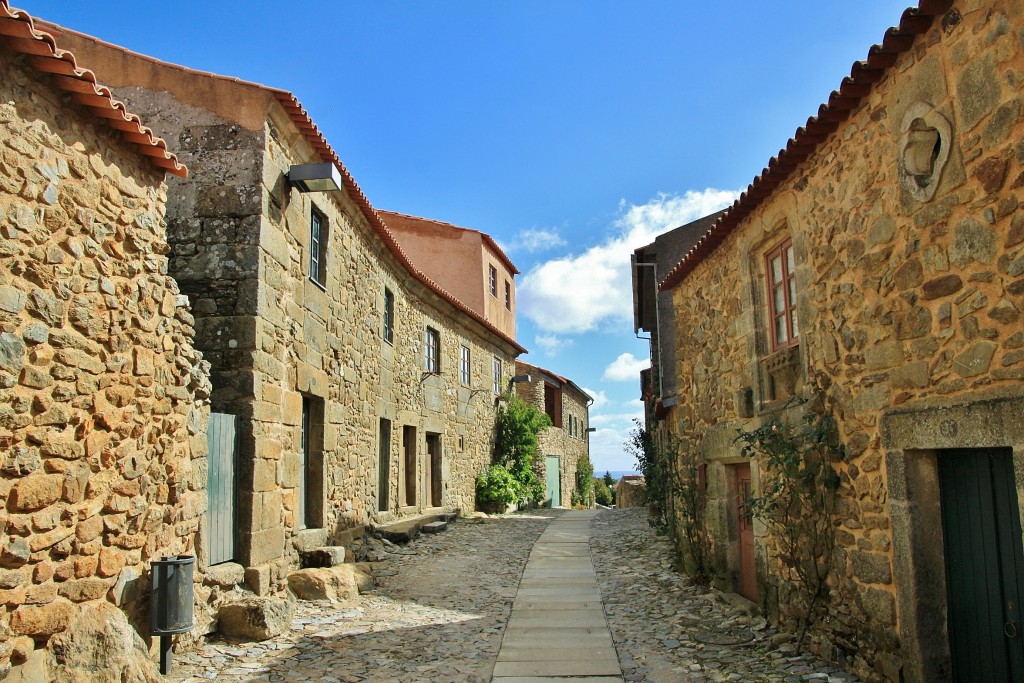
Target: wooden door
<point>434,455</point>
<point>384,466</point>
<point>220,487</point>
<point>553,480</point>
<point>984,564</point>
<point>743,492</point>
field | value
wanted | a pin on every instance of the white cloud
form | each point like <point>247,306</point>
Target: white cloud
<point>551,344</point>
<point>626,368</point>
<point>608,449</point>
<point>579,293</point>
<point>600,398</point>
<point>536,239</point>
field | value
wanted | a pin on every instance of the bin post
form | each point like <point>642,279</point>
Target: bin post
<point>170,605</point>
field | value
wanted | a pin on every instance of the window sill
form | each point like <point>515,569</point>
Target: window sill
<point>318,284</point>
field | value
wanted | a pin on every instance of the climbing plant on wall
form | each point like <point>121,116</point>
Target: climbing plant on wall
<point>584,487</point>
<point>796,502</point>
<point>515,444</point>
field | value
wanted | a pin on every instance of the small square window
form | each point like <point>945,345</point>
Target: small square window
<point>432,357</point>
<point>389,316</point>
<point>464,365</point>
<point>318,240</point>
<point>492,280</point>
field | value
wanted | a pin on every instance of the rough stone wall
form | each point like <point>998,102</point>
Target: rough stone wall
<point>902,301</point>
<point>102,417</point>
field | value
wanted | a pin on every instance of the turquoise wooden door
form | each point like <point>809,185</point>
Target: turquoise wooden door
<point>984,564</point>
<point>554,481</point>
<point>220,487</point>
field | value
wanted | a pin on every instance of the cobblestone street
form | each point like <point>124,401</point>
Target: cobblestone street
<point>439,614</point>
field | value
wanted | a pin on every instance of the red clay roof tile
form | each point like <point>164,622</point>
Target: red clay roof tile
<point>19,34</point>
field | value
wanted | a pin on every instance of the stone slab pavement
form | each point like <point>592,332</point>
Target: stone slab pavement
<point>465,606</point>
<point>557,628</point>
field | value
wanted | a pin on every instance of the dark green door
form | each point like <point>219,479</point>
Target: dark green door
<point>984,564</point>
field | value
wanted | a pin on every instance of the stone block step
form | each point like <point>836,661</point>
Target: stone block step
<point>434,527</point>
<point>407,529</point>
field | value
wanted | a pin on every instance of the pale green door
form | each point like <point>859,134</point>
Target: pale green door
<point>554,481</point>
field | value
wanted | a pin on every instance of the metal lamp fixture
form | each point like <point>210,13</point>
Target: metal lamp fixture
<point>521,378</point>
<point>323,177</point>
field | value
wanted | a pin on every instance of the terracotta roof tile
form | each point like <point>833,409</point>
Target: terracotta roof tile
<point>411,221</point>
<point>19,34</point>
<point>309,130</point>
<point>863,75</point>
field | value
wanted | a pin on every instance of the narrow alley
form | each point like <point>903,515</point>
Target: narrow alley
<point>464,605</point>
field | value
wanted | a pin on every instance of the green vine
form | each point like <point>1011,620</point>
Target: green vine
<point>584,488</point>
<point>796,503</point>
<point>515,445</point>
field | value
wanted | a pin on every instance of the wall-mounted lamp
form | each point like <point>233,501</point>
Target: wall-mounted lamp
<point>520,378</point>
<point>315,177</point>
<point>591,429</point>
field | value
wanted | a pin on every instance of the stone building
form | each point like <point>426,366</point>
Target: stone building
<point>876,269</point>
<point>360,390</point>
<point>102,410</point>
<point>566,442</point>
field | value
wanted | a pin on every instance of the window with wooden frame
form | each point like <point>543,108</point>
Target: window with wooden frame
<point>464,365</point>
<point>389,316</point>
<point>508,295</point>
<point>492,280</point>
<point>318,239</point>
<point>553,404</point>
<point>432,355</point>
<point>780,268</point>
<point>496,375</point>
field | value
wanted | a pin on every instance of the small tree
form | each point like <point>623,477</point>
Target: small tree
<point>584,488</point>
<point>515,444</point>
<point>609,481</point>
<point>602,493</point>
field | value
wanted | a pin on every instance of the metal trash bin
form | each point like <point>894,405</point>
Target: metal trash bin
<point>170,604</point>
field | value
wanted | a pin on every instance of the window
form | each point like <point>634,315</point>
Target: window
<point>508,295</point>
<point>496,375</point>
<point>433,351</point>
<point>492,280</point>
<point>464,365</point>
<point>553,404</point>
<point>389,316</point>
<point>780,265</point>
<point>318,248</point>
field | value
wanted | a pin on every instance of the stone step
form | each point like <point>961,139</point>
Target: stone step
<point>407,529</point>
<point>434,527</point>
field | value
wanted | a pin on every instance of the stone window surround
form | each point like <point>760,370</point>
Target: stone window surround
<point>912,439</point>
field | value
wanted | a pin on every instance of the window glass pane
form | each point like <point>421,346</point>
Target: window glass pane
<point>776,269</point>
<point>780,299</point>
<point>780,330</point>
<point>790,261</point>
<point>796,326</point>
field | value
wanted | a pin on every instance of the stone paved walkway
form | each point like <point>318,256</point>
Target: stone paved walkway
<point>439,615</point>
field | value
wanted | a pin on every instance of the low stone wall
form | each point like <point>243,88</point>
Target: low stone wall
<point>631,493</point>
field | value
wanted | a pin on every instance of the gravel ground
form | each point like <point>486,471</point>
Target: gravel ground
<point>667,630</point>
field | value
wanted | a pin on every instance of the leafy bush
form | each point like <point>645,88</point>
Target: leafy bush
<point>602,494</point>
<point>497,485</point>
<point>515,444</point>
<point>584,483</point>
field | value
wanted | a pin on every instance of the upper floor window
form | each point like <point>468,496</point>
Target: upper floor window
<point>553,404</point>
<point>389,316</point>
<point>464,365</point>
<point>508,295</point>
<point>492,280</point>
<point>496,375</point>
<point>780,266</point>
<point>432,342</point>
<point>318,235</point>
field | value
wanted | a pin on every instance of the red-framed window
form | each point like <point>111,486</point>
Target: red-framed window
<point>780,268</point>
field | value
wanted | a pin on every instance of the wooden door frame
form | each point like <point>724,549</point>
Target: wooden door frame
<point>736,471</point>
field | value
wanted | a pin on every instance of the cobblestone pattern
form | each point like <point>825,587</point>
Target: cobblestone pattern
<point>437,614</point>
<point>668,630</point>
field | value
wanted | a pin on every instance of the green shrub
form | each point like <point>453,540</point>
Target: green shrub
<point>515,444</point>
<point>497,485</point>
<point>602,494</point>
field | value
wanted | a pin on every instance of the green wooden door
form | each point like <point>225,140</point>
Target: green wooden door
<point>220,487</point>
<point>984,564</point>
<point>554,481</point>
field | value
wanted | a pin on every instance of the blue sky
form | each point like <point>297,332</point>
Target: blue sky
<point>570,131</point>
